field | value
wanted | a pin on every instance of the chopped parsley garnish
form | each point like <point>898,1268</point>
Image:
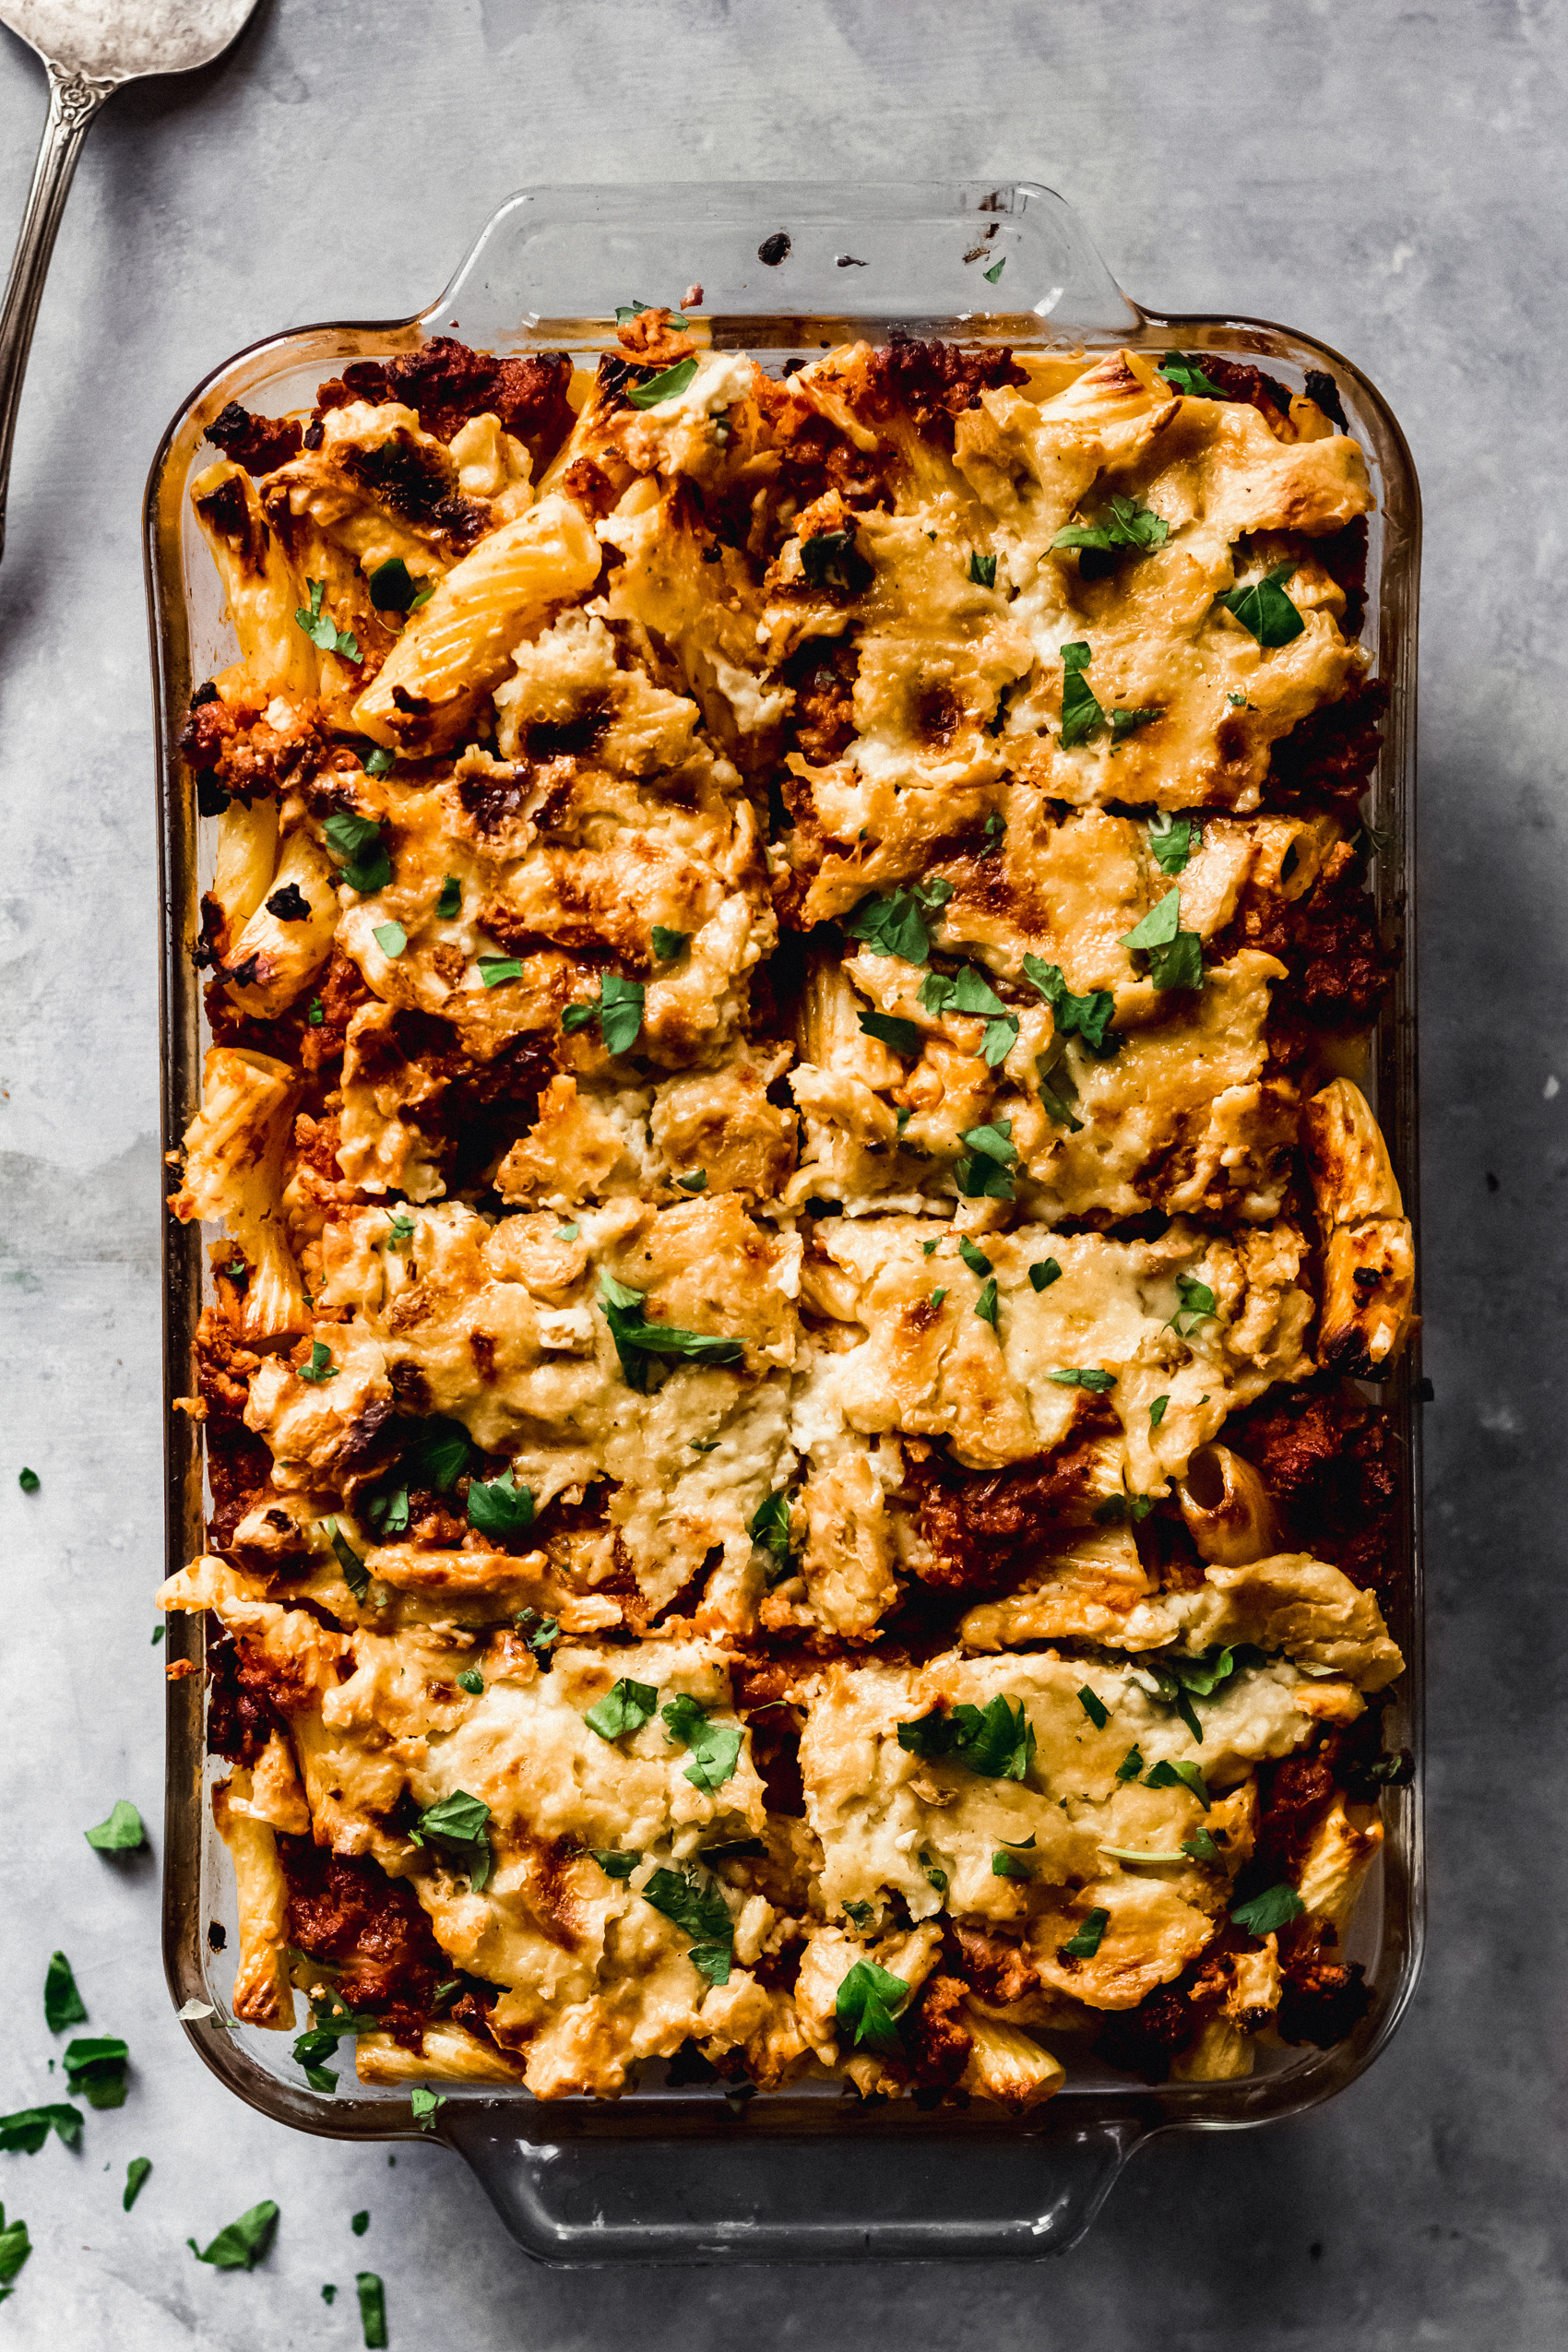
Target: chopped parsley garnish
<point>1117,1509</point>
<point>401,1229</point>
<point>613,1863</point>
<point>667,944</point>
<point>356,1575</point>
<point>986,1306</point>
<point>859,1915</point>
<point>449,898</point>
<point>983,570</point>
<point>619,1013</point>
<point>935,1875</point>
<point>24,2132</point>
<point>436,1452</point>
<point>1132,1763</point>
<point>472,1680</point>
<point>997,1742</point>
<point>831,560</point>
<point>1043,1273</point>
<point>1011,1866</point>
<point>1085,1942</point>
<point>457,1824</point>
<point>373,2310</point>
<point>538,1633</point>
<point>1268,1912</point>
<point>636,1339</point>
<point>63,2004</point>
<point>666,386</point>
<point>1081,714</point>
<point>500,1506</point>
<point>937,1296</point>
<point>1098,1712</point>
<point>242,2245</point>
<point>1183,373</point>
<point>971,992</point>
<point>898,925</point>
<point>992,1152</point>
<point>495,969</point>
<point>1175,957</point>
<point>699,1907</point>
<point>693,1181</point>
<point>14,2248</point>
<point>1126,529</point>
<point>328,2030</point>
<point>715,1747</point>
<point>379,761</point>
<point>360,2223</point>
<point>567,1233</point>
<point>976,1260</point>
<point>391,938</point>
<point>1083,1376</point>
<point>394,589</point>
<point>1171,841</point>
<point>1186,1774</point>
<point>315,1013</point>
<point>1156,1411</point>
<point>95,2070</point>
<point>1265,610</point>
<point>769,1525</point>
<point>904,1037</point>
<point>1057,1089</point>
<point>29,1480</point>
<point>320,1367</point>
<point>1127,722</point>
<point>1201,1846</point>
<point>867,2003</point>
<point>121,1833</point>
<point>135,2181</point>
<point>1197,1306</point>
<point>357,843</point>
<point>625,1706</point>
<point>321,628</point>
<point>423,2105</point>
<point>1085,1017</point>
<point>158,1633</point>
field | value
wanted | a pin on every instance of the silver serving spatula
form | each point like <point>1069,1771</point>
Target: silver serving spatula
<point>89,48</point>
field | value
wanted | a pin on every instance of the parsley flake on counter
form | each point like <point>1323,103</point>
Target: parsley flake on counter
<point>493,970</point>
<point>356,1575</point>
<point>63,2004</point>
<point>1085,1942</point>
<point>685,1900</point>
<point>1086,1017</point>
<point>1081,714</point>
<point>357,843</point>
<point>982,571</point>
<point>360,2223</point>
<point>1268,1912</point>
<point>996,1743</point>
<point>1156,1411</point>
<point>449,898</point>
<point>121,1833</point>
<point>457,1824</point>
<point>1083,1376</point>
<point>95,2070</point>
<point>24,2132</point>
<point>867,2004</point>
<point>500,1506</point>
<point>135,2181</point>
<point>1098,1712</point>
<point>391,938</point>
<point>904,1037</point>
<point>423,2104</point>
<point>1132,1763</point>
<point>986,1305</point>
<point>991,276</point>
<point>29,1480</point>
<point>373,2310</point>
<point>625,1706</point>
<point>14,2248</point>
<point>472,1680</point>
<point>899,923</point>
<point>1265,610</point>
<point>667,944</point>
<point>1185,373</point>
<point>668,385</point>
<point>715,1746</point>
<point>636,1339</point>
<point>1171,841</point>
<point>320,1367</point>
<point>321,628</point>
<point>394,589</point>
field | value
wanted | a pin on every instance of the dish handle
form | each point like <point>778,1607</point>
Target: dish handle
<point>811,2198</point>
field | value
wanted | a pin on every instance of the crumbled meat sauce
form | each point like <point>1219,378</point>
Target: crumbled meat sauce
<point>1328,941</point>
<point>985,1533</point>
<point>1144,2040</point>
<point>992,1966</point>
<point>934,382</point>
<point>1322,1999</point>
<point>1327,760</point>
<point>1237,381</point>
<point>344,1910</point>
<point>1333,1465</point>
<point>934,2034</point>
<point>256,443</point>
<point>243,1696</point>
<point>446,382</point>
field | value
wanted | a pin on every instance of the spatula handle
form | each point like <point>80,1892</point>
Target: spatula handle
<point>74,99</point>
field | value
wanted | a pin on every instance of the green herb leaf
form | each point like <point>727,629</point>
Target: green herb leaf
<point>667,386</point>
<point>1172,840</point>
<point>695,1180</point>
<point>356,1575</point>
<point>635,1338</point>
<point>357,843</point>
<point>715,1747</point>
<point>625,1706</point>
<point>1201,1846</point>
<point>1127,528</point>
<point>1080,1376</point>
<point>935,1875</point>
<point>472,1680</point>
<point>158,1633</point>
<point>457,1824</point>
<point>320,1367</point>
<point>315,1013</point>
<point>997,1742</point>
<point>1085,1017</point>
<point>1043,1273</point>
<point>373,2310</point>
<point>1183,373</point>
<point>436,1454</point>
<point>614,1864</point>
<point>1165,1775</point>
<point>1011,1866</point>
<point>567,1233</point>
<point>14,2248</point>
<point>391,938</point>
<point>24,2132</point>
<point>95,2070</point>
<point>992,1152</point>
<point>242,2244</point>
<point>986,1306</point>
<point>121,1833</point>
<point>1159,926</point>
<point>904,1037</point>
<point>1127,722</point>
<point>1156,1411</point>
<point>1098,1715</point>
<point>868,2003</point>
<point>539,1633</point>
<point>667,944</point>
<point>423,2104</point>
<point>493,970</point>
<point>63,2004</point>
<point>379,761</point>
<point>831,560</point>
<point>1081,714</point>
<point>937,1297</point>
<point>1178,965</point>
<point>1132,1763</point>
<point>1086,1942</point>
<point>769,1525</point>
<point>1268,1912</point>
<point>499,1506</point>
<point>991,276</point>
<point>620,1012</point>
<point>976,1260</point>
<point>983,570</point>
<point>1197,1305</point>
<point>899,924</point>
<point>697,1905</point>
<point>29,1480</point>
<point>1265,610</point>
<point>321,628</point>
<point>135,2181</point>
<point>449,898</point>
<point>394,589</point>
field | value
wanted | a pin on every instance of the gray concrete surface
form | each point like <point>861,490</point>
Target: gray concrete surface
<point>1389,178</point>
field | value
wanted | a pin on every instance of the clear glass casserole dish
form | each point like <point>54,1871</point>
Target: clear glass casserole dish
<point>679,2171</point>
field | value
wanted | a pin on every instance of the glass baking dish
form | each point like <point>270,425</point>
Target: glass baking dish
<point>676,2171</point>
